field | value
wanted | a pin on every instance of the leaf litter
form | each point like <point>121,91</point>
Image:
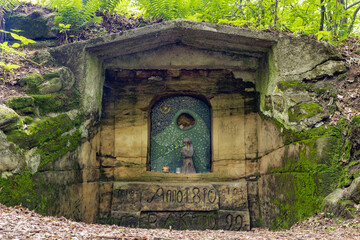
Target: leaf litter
<point>21,223</point>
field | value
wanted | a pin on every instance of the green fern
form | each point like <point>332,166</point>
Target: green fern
<point>166,9</point>
<point>7,5</point>
<point>109,5</point>
<point>77,13</point>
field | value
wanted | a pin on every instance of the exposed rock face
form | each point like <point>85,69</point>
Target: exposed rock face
<point>343,202</point>
<point>35,25</point>
<point>8,155</point>
<point>8,117</point>
<point>32,160</point>
<point>353,192</point>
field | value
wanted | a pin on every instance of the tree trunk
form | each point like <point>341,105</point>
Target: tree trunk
<point>353,20</point>
<point>2,25</point>
<point>275,12</point>
<point>322,16</point>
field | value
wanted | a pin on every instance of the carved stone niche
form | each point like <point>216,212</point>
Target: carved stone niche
<point>155,97</point>
<point>236,73</point>
<point>143,127</point>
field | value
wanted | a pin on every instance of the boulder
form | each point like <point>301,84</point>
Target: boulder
<point>31,82</point>
<point>22,104</point>
<point>67,78</point>
<point>32,160</point>
<point>340,202</point>
<point>50,86</point>
<point>331,200</point>
<point>8,117</point>
<point>353,192</point>
<point>9,158</point>
<point>44,58</point>
<point>34,25</point>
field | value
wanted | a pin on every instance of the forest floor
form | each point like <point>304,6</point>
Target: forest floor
<point>21,223</point>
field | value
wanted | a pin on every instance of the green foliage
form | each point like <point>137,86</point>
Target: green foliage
<point>328,20</point>
<point>65,29</point>
<point>7,5</point>
<point>109,5</point>
<point>7,64</point>
<point>74,13</point>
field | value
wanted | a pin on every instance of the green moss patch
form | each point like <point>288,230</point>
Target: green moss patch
<point>31,82</point>
<point>310,172</point>
<point>49,137</point>
<point>299,86</point>
<point>302,111</point>
<point>20,102</point>
<point>58,147</point>
<point>58,102</point>
<point>28,190</point>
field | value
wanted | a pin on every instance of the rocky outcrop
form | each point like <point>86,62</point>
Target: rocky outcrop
<point>9,157</point>
<point>344,202</point>
<point>35,24</point>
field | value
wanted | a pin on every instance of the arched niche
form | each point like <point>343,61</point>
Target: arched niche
<point>171,120</point>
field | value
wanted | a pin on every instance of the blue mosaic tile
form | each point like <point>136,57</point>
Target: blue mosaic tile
<point>167,138</point>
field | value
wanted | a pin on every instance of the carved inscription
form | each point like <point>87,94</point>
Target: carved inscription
<point>123,219</point>
<point>126,197</point>
<point>234,220</point>
<point>181,205</point>
<point>229,220</point>
<point>233,196</point>
<point>177,197</point>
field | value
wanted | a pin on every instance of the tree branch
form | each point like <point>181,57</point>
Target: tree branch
<point>353,20</point>
<point>350,6</point>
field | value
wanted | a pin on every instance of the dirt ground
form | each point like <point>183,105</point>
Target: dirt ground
<point>21,223</point>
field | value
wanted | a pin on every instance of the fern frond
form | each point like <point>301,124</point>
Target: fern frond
<point>109,5</point>
<point>7,5</point>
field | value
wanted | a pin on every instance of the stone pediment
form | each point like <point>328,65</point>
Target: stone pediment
<point>199,35</point>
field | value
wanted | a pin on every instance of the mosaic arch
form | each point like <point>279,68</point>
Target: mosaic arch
<point>172,120</point>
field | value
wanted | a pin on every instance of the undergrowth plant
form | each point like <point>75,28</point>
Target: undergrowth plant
<point>333,21</point>
<point>7,5</point>
<point>7,52</point>
<point>78,13</point>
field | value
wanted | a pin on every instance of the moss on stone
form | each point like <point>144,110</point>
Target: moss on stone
<point>58,147</point>
<point>50,75</point>
<point>49,136</point>
<point>283,86</point>
<point>27,120</point>
<point>28,190</point>
<point>32,27</point>
<point>302,111</point>
<point>39,133</point>
<point>31,82</point>
<point>300,200</point>
<point>306,178</point>
<point>58,102</point>
<point>20,102</point>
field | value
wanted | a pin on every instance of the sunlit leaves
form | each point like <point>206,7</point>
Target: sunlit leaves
<point>297,16</point>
